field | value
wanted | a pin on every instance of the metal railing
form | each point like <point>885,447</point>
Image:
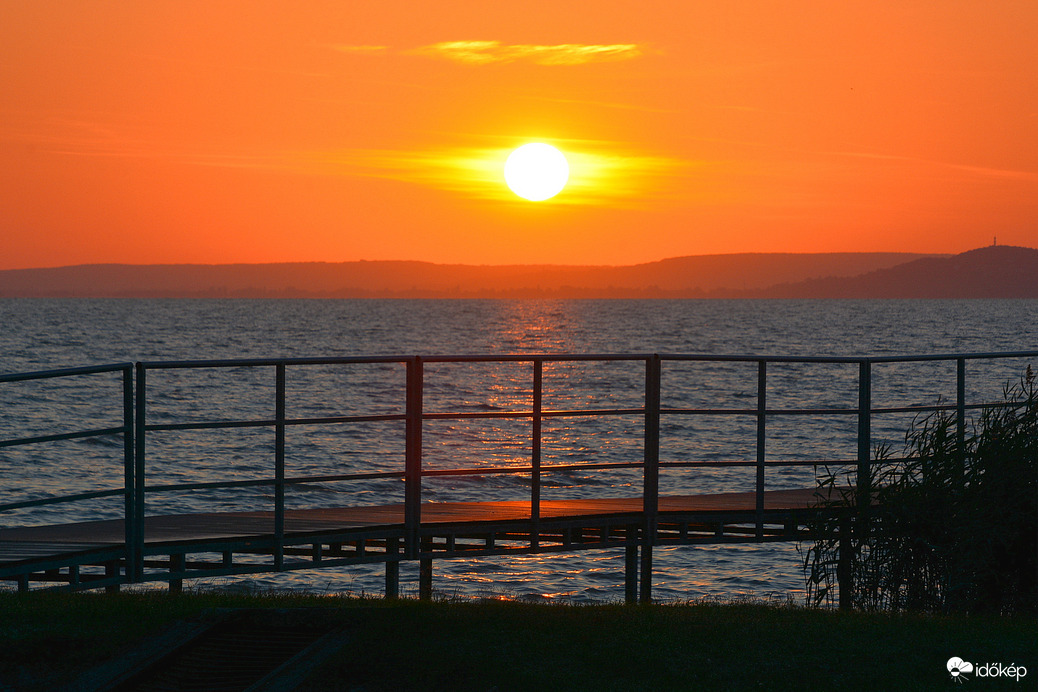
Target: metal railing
<point>136,429</point>
<point>126,430</point>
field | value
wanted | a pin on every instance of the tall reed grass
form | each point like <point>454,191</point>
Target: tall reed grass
<point>953,525</point>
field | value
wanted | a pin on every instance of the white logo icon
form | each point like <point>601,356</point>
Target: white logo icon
<point>957,667</point>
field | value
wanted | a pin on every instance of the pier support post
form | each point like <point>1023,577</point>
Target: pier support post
<point>176,566</point>
<point>844,571</point>
<point>645,595</point>
<point>425,579</point>
<point>631,573</point>
<point>111,570</point>
<point>392,569</point>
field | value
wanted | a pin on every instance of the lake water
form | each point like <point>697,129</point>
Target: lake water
<point>41,334</point>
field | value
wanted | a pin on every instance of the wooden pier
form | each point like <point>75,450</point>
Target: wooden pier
<point>190,546</point>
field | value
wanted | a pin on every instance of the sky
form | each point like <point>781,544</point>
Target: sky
<point>229,131</point>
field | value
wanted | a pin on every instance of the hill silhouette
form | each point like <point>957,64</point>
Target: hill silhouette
<point>697,276</point>
<point>997,271</point>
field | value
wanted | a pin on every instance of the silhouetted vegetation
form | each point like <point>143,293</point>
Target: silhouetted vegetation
<point>954,524</point>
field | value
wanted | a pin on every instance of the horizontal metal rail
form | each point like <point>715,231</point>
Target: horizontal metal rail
<point>64,372</point>
<point>849,359</point>
<point>480,471</point>
<point>268,423</point>
<point>112,492</point>
<point>253,482</point>
<point>80,434</point>
<point>523,358</point>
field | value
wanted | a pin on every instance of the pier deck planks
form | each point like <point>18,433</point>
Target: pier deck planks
<point>27,544</point>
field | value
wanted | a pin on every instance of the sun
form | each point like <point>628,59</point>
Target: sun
<point>536,171</point>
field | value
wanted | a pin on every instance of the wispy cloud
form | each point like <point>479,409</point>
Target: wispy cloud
<point>492,52</point>
<point>608,104</point>
<point>363,50</point>
<point>984,171</point>
<point>488,52</point>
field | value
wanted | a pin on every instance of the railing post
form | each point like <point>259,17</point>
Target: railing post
<point>129,523</point>
<point>279,467</point>
<point>851,538</point>
<point>960,411</point>
<point>864,488</point>
<point>413,457</point>
<point>138,475</point>
<point>651,489</point>
<point>535,461</point>
<point>762,408</point>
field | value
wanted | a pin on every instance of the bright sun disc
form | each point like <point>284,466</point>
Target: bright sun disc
<point>536,171</point>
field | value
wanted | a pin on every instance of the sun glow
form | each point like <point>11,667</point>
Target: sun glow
<point>536,171</point>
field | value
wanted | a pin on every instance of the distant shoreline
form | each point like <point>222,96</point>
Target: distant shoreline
<point>476,298</point>
<point>991,272</point>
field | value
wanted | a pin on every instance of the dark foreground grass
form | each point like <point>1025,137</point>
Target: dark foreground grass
<point>49,639</point>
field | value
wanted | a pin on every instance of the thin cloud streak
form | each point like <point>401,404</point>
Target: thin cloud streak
<point>496,52</point>
<point>487,52</point>
<point>363,50</point>
<point>985,171</point>
<point>608,104</point>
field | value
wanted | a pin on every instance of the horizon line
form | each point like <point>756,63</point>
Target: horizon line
<point>503,265</point>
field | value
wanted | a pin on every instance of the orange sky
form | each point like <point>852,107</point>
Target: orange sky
<point>175,131</point>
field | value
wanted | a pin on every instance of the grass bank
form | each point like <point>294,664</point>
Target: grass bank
<point>49,639</point>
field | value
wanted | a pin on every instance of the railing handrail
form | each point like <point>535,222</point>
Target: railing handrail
<point>63,372</point>
<point>563,357</point>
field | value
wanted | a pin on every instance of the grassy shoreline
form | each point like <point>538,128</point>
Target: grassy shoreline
<point>49,639</point>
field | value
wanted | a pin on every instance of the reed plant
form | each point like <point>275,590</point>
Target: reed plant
<point>953,522</point>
